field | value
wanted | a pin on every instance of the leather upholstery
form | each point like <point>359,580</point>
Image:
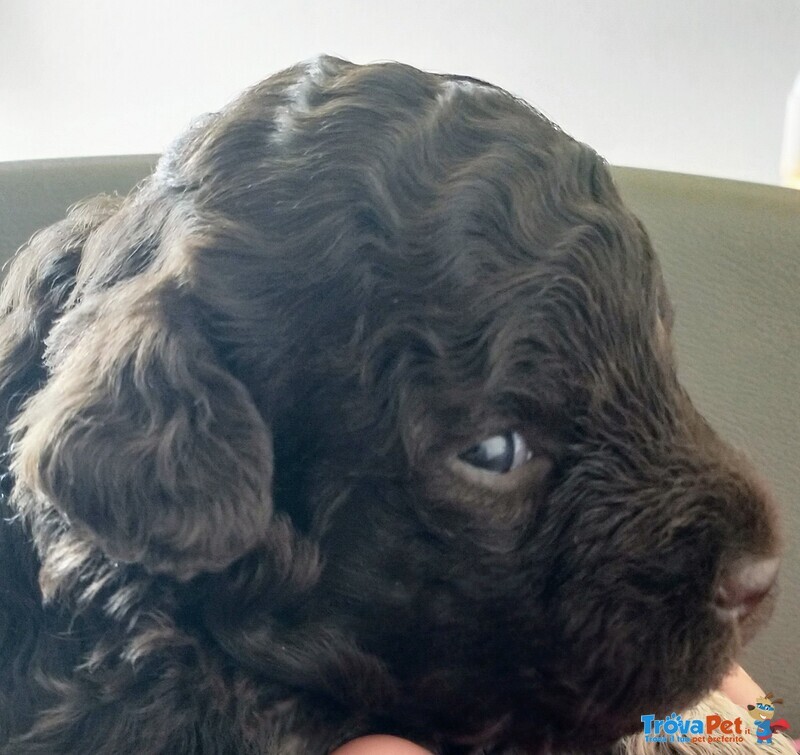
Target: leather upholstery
<point>731,256</point>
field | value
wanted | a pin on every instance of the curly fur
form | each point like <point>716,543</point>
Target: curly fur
<point>234,516</point>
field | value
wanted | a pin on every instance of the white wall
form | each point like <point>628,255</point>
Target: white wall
<point>689,85</point>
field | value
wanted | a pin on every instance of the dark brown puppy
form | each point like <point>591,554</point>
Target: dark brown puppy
<point>359,415</point>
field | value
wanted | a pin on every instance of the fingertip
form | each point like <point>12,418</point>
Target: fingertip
<point>739,686</point>
<point>380,744</point>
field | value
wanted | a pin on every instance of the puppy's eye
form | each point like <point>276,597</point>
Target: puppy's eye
<point>498,454</point>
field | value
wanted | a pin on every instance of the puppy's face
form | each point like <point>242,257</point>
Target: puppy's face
<point>459,340</point>
<point>519,508</point>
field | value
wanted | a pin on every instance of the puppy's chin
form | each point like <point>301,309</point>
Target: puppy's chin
<point>586,719</point>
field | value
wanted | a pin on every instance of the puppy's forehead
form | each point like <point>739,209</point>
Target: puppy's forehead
<point>391,154</point>
<point>435,206</point>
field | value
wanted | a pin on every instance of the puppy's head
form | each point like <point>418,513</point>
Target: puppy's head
<point>459,339</point>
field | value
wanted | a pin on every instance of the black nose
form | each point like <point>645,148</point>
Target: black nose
<point>744,585</point>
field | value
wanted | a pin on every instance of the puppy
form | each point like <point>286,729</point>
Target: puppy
<point>360,415</point>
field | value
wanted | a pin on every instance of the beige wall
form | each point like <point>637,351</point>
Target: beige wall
<point>691,85</point>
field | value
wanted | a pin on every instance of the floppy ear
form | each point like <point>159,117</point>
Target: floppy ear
<point>142,439</point>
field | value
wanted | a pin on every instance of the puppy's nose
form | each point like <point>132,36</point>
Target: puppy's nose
<point>744,585</point>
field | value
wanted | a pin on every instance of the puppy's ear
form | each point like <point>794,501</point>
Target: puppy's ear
<point>142,439</point>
